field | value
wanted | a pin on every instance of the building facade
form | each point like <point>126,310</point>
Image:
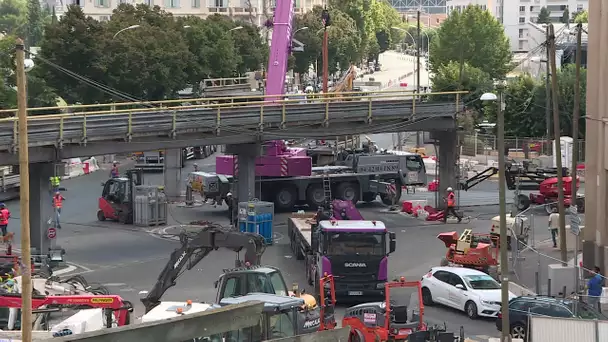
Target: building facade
<point>247,10</point>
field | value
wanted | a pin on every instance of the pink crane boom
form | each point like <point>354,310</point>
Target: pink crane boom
<point>279,48</point>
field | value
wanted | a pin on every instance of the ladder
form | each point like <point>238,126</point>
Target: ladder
<point>327,188</point>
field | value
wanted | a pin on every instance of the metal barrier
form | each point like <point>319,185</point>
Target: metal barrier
<point>178,329</point>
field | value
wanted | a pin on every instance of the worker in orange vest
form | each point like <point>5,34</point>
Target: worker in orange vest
<point>450,206</point>
<point>58,204</point>
<point>5,214</point>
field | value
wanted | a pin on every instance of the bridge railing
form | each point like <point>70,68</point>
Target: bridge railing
<point>82,123</point>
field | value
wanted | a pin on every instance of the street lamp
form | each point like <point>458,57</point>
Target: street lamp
<point>125,29</point>
<point>300,29</point>
<point>504,258</point>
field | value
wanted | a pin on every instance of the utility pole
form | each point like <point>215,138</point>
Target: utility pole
<point>502,199</point>
<point>558,149</point>
<point>418,134</point>
<point>547,87</point>
<point>24,174</point>
<point>326,23</point>
<point>575,117</point>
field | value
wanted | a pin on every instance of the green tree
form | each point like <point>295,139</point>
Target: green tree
<point>473,37</point>
<point>12,17</point>
<point>76,43</point>
<point>312,38</point>
<point>35,22</point>
<point>544,16</point>
<point>213,50</point>
<point>474,80</point>
<point>581,17</point>
<point>149,62</point>
<point>523,116</point>
<point>248,42</point>
<point>565,16</point>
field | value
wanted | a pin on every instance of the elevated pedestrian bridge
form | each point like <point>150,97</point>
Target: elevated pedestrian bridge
<point>86,130</point>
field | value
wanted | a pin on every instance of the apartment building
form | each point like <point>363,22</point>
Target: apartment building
<point>247,10</point>
<point>426,6</point>
<point>517,15</point>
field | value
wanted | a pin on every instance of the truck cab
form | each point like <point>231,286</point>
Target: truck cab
<point>355,253</point>
<point>240,281</point>
<point>281,317</point>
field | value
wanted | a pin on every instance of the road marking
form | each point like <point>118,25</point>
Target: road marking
<point>114,284</point>
<point>68,269</point>
<point>79,266</point>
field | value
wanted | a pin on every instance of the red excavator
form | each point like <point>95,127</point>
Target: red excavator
<point>471,250</point>
<point>116,310</point>
<point>389,320</point>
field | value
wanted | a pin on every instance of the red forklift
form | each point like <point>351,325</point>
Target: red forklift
<point>388,320</point>
<point>117,197</point>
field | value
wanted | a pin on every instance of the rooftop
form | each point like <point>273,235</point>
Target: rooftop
<point>345,225</point>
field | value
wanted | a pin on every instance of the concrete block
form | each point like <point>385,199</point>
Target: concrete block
<point>561,276</point>
<point>519,290</point>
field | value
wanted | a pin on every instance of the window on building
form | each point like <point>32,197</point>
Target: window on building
<point>521,45</point>
<point>219,3</point>
<point>522,20</point>
<point>196,3</point>
<point>149,2</point>
<point>563,7</point>
<point>102,3</point>
<point>104,18</point>
<point>171,3</point>
<point>579,7</point>
<point>521,33</point>
<point>522,8</point>
<point>122,1</point>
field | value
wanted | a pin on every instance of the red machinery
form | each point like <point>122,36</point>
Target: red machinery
<point>113,304</point>
<point>327,305</point>
<point>387,321</point>
<point>471,250</point>
<point>548,194</point>
<point>117,197</point>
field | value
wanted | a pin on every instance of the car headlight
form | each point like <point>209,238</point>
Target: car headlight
<point>379,286</point>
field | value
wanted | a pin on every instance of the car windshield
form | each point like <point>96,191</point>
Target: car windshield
<point>481,282</point>
<point>345,243</point>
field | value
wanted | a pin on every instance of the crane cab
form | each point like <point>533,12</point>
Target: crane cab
<point>240,281</point>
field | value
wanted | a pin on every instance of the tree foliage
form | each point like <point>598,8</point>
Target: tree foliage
<point>12,17</point>
<point>565,16</point>
<point>525,105</point>
<point>581,17</point>
<point>544,16</point>
<point>143,53</point>
<point>474,80</point>
<point>35,22</point>
<point>473,37</point>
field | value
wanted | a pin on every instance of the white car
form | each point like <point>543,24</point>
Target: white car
<point>469,290</point>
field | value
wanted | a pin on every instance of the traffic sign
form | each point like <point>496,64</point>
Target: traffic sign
<point>51,233</point>
<point>575,220</point>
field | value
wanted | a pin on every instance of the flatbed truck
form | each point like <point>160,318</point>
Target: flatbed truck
<point>354,252</point>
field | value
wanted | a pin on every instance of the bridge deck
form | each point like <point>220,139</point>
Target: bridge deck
<point>85,126</point>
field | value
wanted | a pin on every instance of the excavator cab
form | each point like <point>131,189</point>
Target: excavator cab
<point>240,281</point>
<point>281,317</point>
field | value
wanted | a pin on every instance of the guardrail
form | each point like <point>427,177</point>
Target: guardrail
<point>8,182</point>
<point>87,123</point>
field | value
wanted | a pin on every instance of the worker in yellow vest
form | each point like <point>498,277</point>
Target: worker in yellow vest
<point>55,183</point>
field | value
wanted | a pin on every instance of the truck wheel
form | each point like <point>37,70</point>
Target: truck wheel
<point>100,215</point>
<point>315,196</point>
<point>369,196</point>
<point>285,198</point>
<point>580,205</point>
<point>348,192</point>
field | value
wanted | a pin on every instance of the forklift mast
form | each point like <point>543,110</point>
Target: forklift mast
<point>136,178</point>
<point>195,247</point>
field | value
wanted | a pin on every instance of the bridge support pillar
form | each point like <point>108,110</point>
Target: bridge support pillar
<point>41,208</point>
<point>247,153</point>
<point>173,173</point>
<point>448,163</point>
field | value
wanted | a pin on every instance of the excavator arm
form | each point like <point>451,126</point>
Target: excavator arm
<point>195,247</point>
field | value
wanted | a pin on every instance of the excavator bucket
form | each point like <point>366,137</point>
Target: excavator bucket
<point>448,238</point>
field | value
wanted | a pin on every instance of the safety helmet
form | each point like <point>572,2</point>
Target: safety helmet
<point>449,189</point>
<point>57,193</point>
<point>2,204</point>
<point>229,194</point>
<point>115,162</point>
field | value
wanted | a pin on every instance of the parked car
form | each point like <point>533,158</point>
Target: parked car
<point>472,291</point>
<point>521,308</point>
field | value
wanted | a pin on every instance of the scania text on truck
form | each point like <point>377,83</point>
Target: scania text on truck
<point>354,252</point>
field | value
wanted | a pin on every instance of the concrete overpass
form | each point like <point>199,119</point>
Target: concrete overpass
<point>91,130</point>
